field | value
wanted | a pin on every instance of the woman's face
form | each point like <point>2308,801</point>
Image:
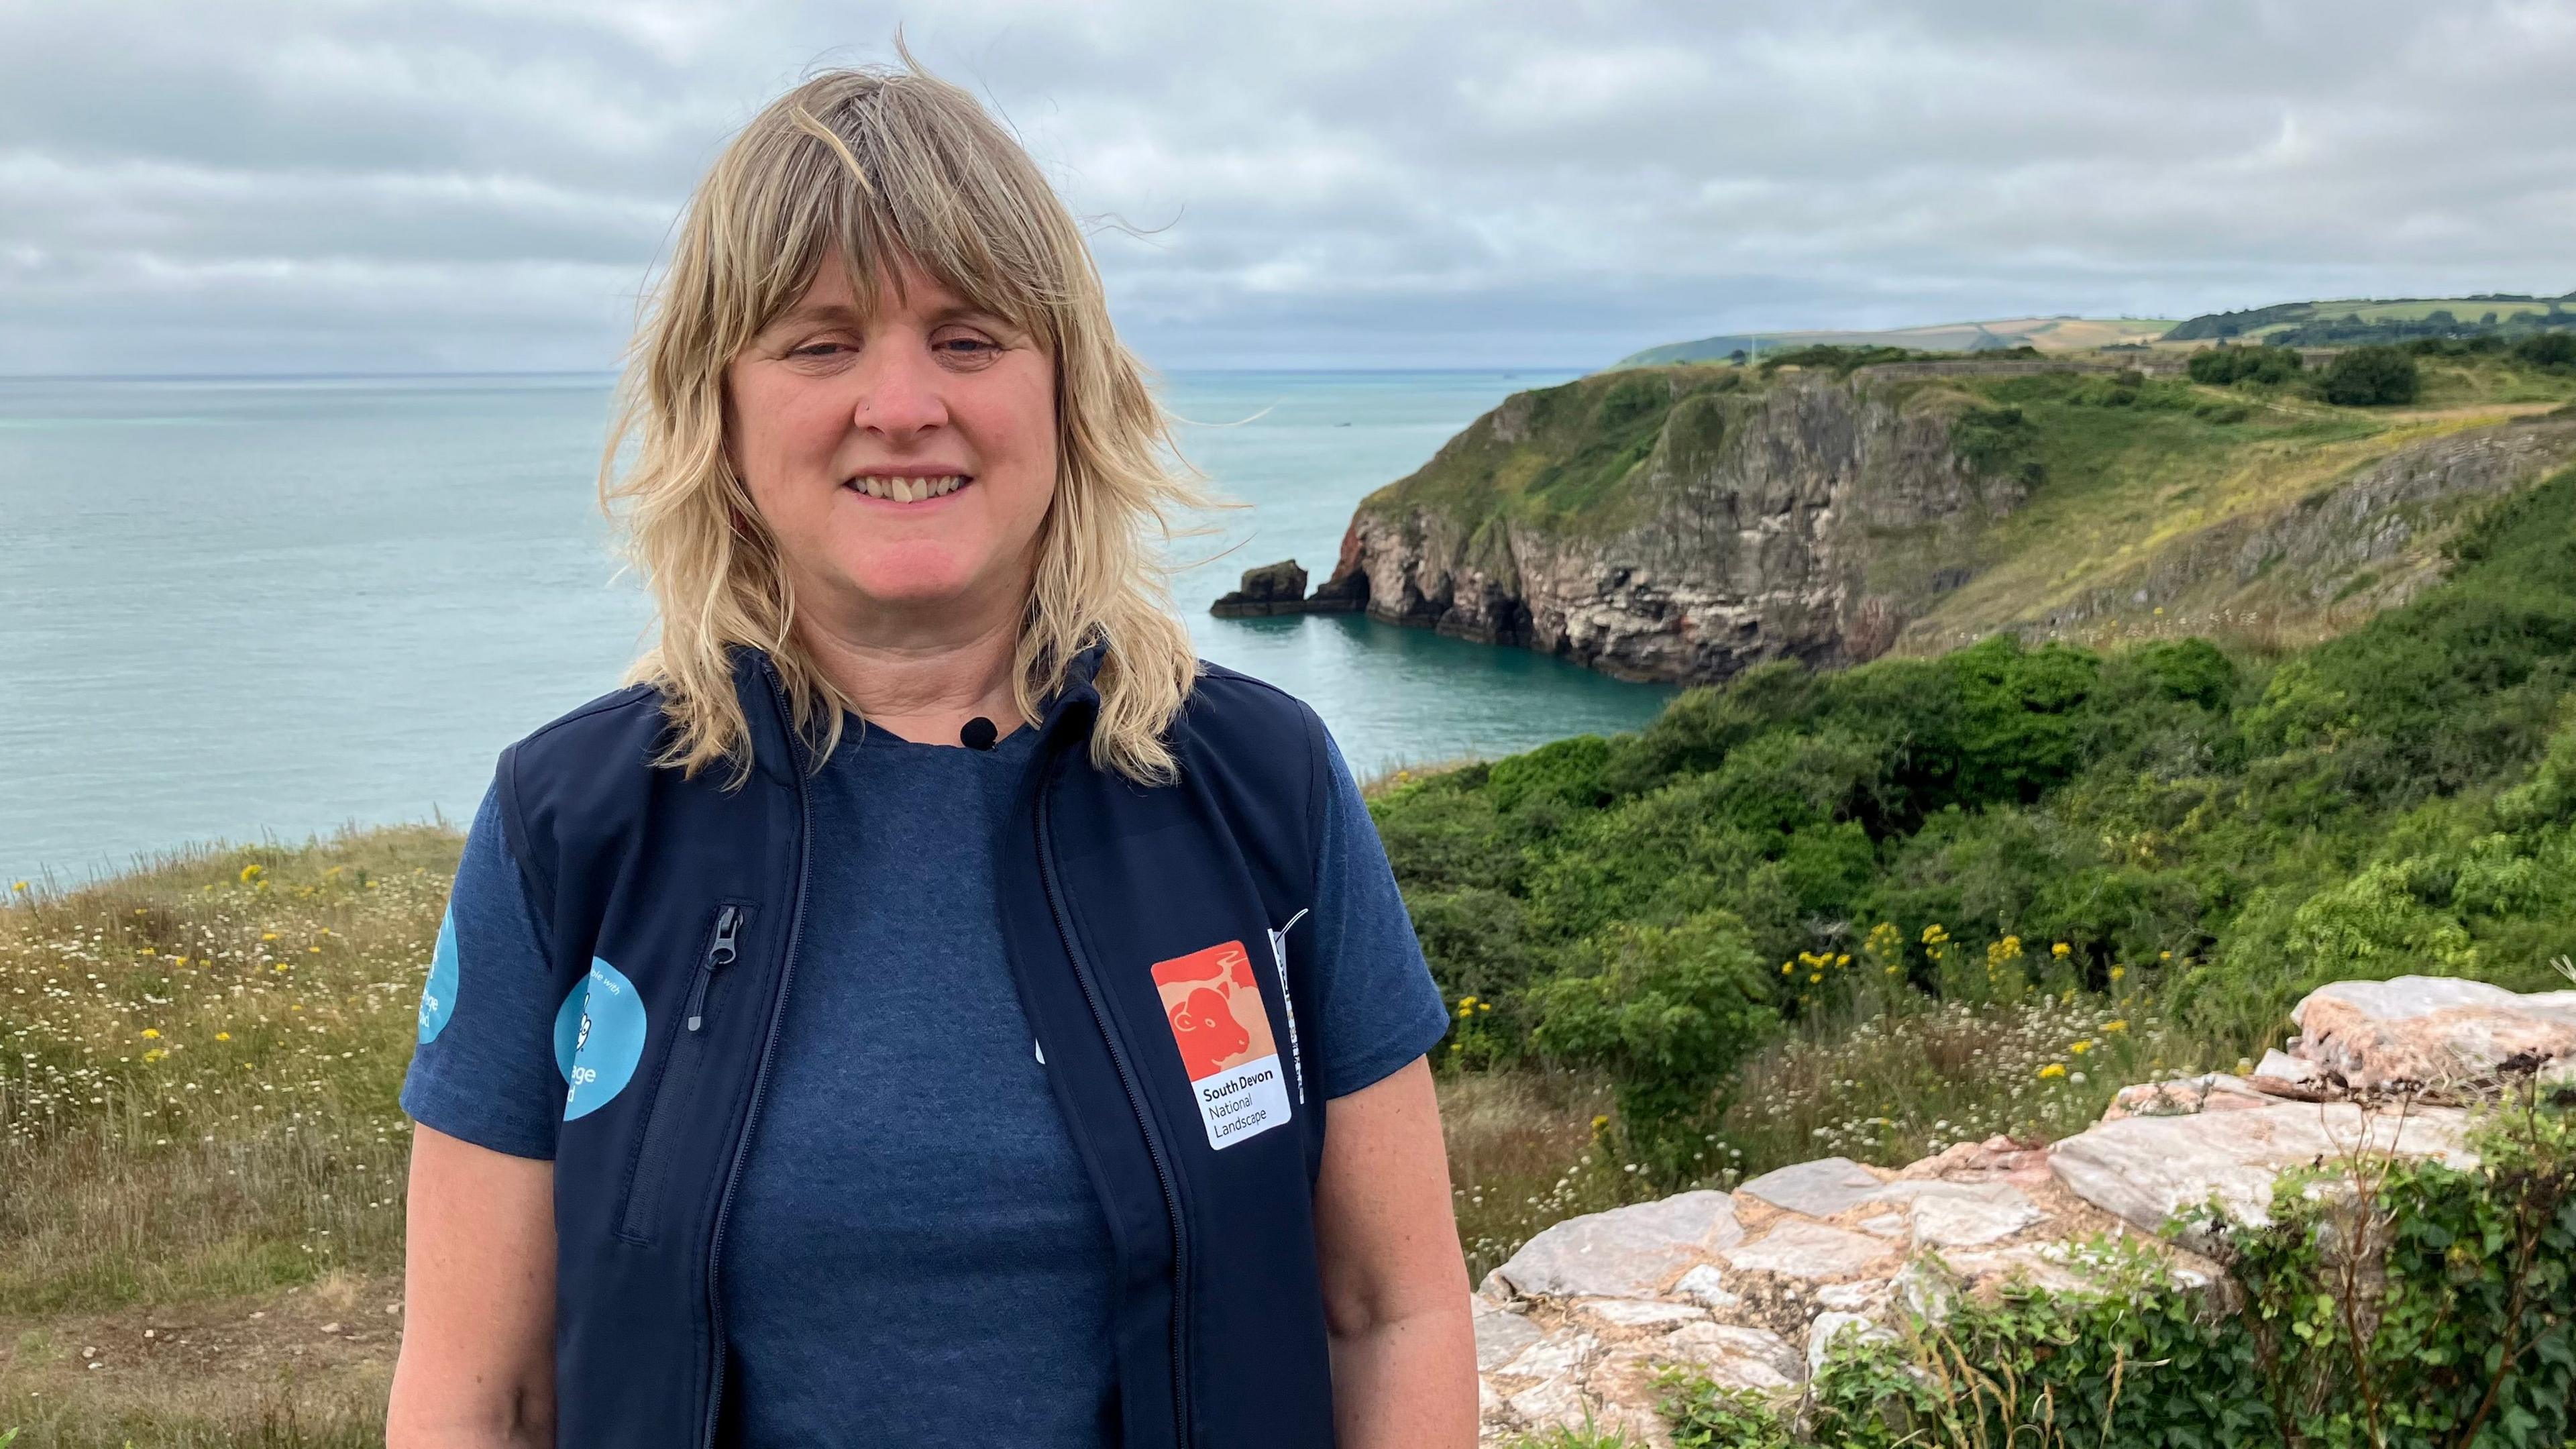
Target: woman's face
<point>903,466</point>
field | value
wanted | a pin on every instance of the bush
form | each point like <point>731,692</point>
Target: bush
<point>2229,366</point>
<point>2463,1332</point>
<point>2364,377</point>
<point>1665,1013</point>
<point>2547,349</point>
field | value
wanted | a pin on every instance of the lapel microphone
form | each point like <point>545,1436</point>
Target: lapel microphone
<point>978,734</point>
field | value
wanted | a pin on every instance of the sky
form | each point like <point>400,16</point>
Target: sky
<point>264,186</point>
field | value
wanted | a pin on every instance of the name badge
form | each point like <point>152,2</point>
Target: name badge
<point>1213,1003</point>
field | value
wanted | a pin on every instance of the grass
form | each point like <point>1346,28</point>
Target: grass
<point>198,1068</point>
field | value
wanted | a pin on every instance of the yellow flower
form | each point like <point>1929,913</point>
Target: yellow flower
<point>316,950</point>
<point>154,1055</point>
<point>1484,1006</point>
<point>1842,960</point>
<point>298,1006</point>
<point>22,885</point>
<point>252,872</point>
<point>2079,1048</point>
<point>2053,1069</point>
<point>2115,1026</point>
<point>2059,950</point>
<point>1786,968</point>
<point>2164,955</point>
<point>1812,979</point>
<point>268,935</point>
<point>2119,971</point>
<point>1600,1122</point>
<point>151,1033</point>
<point>223,1036</point>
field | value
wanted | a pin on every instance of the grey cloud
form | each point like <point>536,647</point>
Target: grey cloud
<point>273,185</point>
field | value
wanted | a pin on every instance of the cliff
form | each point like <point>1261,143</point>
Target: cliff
<point>1684,523</point>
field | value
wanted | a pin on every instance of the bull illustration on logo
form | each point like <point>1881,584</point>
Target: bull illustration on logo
<point>1214,1004</point>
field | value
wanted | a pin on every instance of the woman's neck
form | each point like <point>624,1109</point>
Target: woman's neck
<point>925,683</point>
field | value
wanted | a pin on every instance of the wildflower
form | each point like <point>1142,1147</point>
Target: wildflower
<point>154,1055</point>
<point>2115,1026</point>
<point>1814,978</point>
<point>2079,1048</point>
<point>21,887</point>
<point>151,1033</point>
<point>2060,950</point>
<point>2119,971</point>
<point>2053,1069</point>
<point>2164,955</point>
<point>1600,1123</point>
<point>252,872</point>
<point>268,935</point>
<point>223,1036</point>
<point>1786,968</point>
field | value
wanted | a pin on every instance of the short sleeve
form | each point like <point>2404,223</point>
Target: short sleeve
<point>1374,991</point>
<point>484,1069</point>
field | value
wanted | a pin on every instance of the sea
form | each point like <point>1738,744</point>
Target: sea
<point>261,609</point>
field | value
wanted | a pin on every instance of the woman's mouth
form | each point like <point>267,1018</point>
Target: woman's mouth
<point>908,489</point>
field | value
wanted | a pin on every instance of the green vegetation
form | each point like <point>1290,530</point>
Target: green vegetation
<point>2199,836</point>
<point>2370,377</point>
<point>2348,323</point>
<point>2458,1329</point>
<point>2224,366</point>
<point>198,1068</point>
<point>2096,483</point>
<point>2047,334</point>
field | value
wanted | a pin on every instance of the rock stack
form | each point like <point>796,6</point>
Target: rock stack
<point>1753,1287</point>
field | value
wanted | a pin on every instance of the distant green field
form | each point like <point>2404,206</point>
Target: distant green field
<point>2398,319</point>
<point>2048,334</point>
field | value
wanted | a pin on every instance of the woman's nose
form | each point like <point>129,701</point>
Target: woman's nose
<point>900,390</point>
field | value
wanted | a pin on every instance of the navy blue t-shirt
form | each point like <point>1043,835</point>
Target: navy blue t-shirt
<point>915,1253</point>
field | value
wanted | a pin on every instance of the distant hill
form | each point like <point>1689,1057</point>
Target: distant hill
<point>2399,319</point>
<point>2048,334</point>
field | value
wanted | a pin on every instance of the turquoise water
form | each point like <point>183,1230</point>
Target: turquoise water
<point>256,608</point>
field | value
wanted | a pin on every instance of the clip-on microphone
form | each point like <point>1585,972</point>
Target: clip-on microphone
<point>978,734</point>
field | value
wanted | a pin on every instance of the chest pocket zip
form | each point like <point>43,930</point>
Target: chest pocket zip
<point>1279,960</point>
<point>680,1069</point>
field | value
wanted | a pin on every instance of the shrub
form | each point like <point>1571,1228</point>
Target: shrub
<point>2229,366</point>
<point>2547,349</point>
<point>2371,377</point>
<point>2458,1327</point>
<point>1666,1013</point>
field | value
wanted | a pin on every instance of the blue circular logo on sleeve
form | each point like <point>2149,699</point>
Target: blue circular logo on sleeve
<point>438,997</point>
<point>599,1037</point>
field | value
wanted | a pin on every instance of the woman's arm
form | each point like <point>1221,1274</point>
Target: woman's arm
<point>477,1369</point>
<point>1395,1284</point>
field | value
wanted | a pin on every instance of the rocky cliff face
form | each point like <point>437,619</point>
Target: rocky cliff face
<point>1685,523</point>
<point>1752,528</point>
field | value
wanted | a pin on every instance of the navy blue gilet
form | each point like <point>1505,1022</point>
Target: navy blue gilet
<point>694,890</point>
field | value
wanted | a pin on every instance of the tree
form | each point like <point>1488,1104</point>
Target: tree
<point>2371,377</point>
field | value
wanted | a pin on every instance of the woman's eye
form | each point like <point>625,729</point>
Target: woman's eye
<point>815,349</point>
<point>975,347</point>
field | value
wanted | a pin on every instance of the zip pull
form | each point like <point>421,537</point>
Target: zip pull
<point>720,952</point>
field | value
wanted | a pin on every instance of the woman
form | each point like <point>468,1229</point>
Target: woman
<point>912,1012</point>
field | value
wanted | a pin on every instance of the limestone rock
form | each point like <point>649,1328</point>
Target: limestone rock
<point>1640,1312</point>
<point>1500,1335</point>
<point>1828,1327</point>
<point>1736,1357</point>
<point>1818,1189</point>
<point>1706,1286</point>
<point>2208,1092</point>
<point>1967,1215</point>
<point>1556,1355</point>
<point>2147,1169</point>
<point>1628,1252</point>
<point>1796,1248</point>
<point>2437,1032</point>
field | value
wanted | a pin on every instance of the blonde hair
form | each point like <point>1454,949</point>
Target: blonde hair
<point>881,165</point>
